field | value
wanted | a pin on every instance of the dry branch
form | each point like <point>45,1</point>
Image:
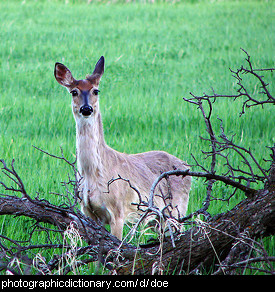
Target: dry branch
<point>262,98</point>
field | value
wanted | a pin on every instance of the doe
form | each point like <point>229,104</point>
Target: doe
<point>98,163</point>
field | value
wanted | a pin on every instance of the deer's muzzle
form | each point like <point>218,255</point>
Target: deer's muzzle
<point>86,110</point>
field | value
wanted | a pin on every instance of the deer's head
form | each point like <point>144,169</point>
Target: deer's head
<point>84,92</point>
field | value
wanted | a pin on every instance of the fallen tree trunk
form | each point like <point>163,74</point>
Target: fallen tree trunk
<point>198,246</point>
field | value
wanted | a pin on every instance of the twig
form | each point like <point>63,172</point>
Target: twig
<point>242,91</point>
<point>13,175</point>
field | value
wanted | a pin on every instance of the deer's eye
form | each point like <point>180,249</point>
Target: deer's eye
<point>74,93</point>
<point>96,91</point>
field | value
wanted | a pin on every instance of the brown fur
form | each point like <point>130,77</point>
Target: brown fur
<point>98,164</point>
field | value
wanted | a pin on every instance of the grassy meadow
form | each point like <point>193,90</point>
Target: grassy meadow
<point>155,55</point>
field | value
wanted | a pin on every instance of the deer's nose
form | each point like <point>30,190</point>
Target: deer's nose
<point>86,110</point>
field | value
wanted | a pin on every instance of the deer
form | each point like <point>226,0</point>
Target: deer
<point>98,164</point>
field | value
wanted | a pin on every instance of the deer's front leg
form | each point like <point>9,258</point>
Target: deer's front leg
<point>117,228</point>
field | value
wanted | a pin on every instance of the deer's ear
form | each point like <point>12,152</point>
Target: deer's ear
<point>98,71</point>
<point>63,75</point>
<point>99,67</point>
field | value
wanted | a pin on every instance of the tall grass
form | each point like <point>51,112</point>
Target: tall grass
<point>155,55</point>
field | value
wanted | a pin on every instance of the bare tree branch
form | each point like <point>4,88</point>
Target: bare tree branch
<point>250,100</point>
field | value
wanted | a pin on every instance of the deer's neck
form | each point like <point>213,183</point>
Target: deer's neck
<point>90,145</point>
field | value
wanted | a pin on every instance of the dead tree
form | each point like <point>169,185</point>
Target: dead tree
<point>222,244</point>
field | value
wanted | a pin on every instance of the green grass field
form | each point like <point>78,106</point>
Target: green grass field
<point>155,55</point>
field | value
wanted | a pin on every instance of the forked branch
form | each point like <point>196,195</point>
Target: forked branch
<point>250,99</point>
